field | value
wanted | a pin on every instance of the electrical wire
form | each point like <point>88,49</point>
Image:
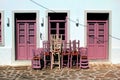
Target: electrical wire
<point>114,37</point>
<point>42,6</point>
<point>70,19</point>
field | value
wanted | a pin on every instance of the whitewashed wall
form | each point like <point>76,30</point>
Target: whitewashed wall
<point>77,10</point>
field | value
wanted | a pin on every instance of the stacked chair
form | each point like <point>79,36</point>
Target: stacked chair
<point>65,55</point>
<point>74,55</point>
<point>56,52</point>
<point>36,60</point>
<point>55,48</point>
<point>46,53</point>
<point>83,58</point>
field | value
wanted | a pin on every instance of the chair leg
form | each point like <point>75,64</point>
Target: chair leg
<point>62,61</point>
<point>44,61</point>
<point>55,63</point>
<point>65,61</point>
<point>71,61</point>
<point>77,61</point>
<point>52,60</point>
<point>39,63</point>
<point>68,61</point>
<point>59,60</point>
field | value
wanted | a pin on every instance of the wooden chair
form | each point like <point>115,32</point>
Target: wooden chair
<point>55,44</point>
<point>46,53</point>
<point>36,60</point>
<point>65,55</point>
<point>83,58</point>
<point>74,55</point>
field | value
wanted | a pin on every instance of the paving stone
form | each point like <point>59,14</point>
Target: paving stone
<point>2,75</point>
<point>66,75</point>
<point>21,67</point>
<point>50,79</point>
<point>10,68</point>
<point>110,75</point>
<point>117,74</point>
<point>34,72</point>
<point>100,75</point>
<point>56,77</point>
<point>56,74</point>
<point>27,78</point>
<point>3,67</point>
<point>46,73</point>
<point>83,78</point>
<point>63,79</point>
<point>42,77</point>
<point>73,76</point>
<point>97,79</point>
<point>4,79</point>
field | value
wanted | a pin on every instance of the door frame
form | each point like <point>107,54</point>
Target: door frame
<point>2,28</point>
<point>109,30</point>
<point>13,56</point>
<point>57,11</point>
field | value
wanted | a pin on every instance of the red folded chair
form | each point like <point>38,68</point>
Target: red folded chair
<point>74,55</point>
<point>65,55</point>
<point>83,58</point>
<point>36,59</point>
<point>46,53</point>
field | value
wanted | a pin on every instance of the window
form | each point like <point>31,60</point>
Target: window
<point>57,24</point>
<point>1,29</point>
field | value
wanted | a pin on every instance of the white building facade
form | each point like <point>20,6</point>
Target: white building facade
<point>26,24</point>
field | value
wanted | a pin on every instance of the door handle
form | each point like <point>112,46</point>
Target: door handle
<point>98,42</point>
<point>28,41</point>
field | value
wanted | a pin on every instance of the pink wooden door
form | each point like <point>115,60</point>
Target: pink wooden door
<point>0,32</point>
<point>97,40</point>
<point>26,38</point>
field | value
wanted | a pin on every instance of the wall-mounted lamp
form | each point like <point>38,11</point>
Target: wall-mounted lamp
<point>8,22</point>
<point>42,24</point>
<point>77,22</point>
<point>41,36</point>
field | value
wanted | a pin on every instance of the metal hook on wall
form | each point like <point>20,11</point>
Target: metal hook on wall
<point>41,36</point>
<point>77,23</point>
<point>8,22</point>
<point>42,24</point>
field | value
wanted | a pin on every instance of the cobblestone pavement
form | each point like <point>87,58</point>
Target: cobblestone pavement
<point>95,72</point>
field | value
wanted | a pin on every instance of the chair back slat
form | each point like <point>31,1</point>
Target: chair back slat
<point>56,43</point>
<point>66,47</point>
<point>75,45</point>
<point>46,46</point>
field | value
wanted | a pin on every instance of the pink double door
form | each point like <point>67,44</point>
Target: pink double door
<point>97,39</point>
<point>0,31</point>
<point>25,39</point>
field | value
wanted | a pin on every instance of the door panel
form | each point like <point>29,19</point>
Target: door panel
<point>91,51</point>
<point>21,41</point>
<point>31,43</point>
<point>91,40</point>
<point>0,31</point>
<point>101,51</point>
<point>26,39</point>
<point>21,53</point>
<point>102,41</point>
